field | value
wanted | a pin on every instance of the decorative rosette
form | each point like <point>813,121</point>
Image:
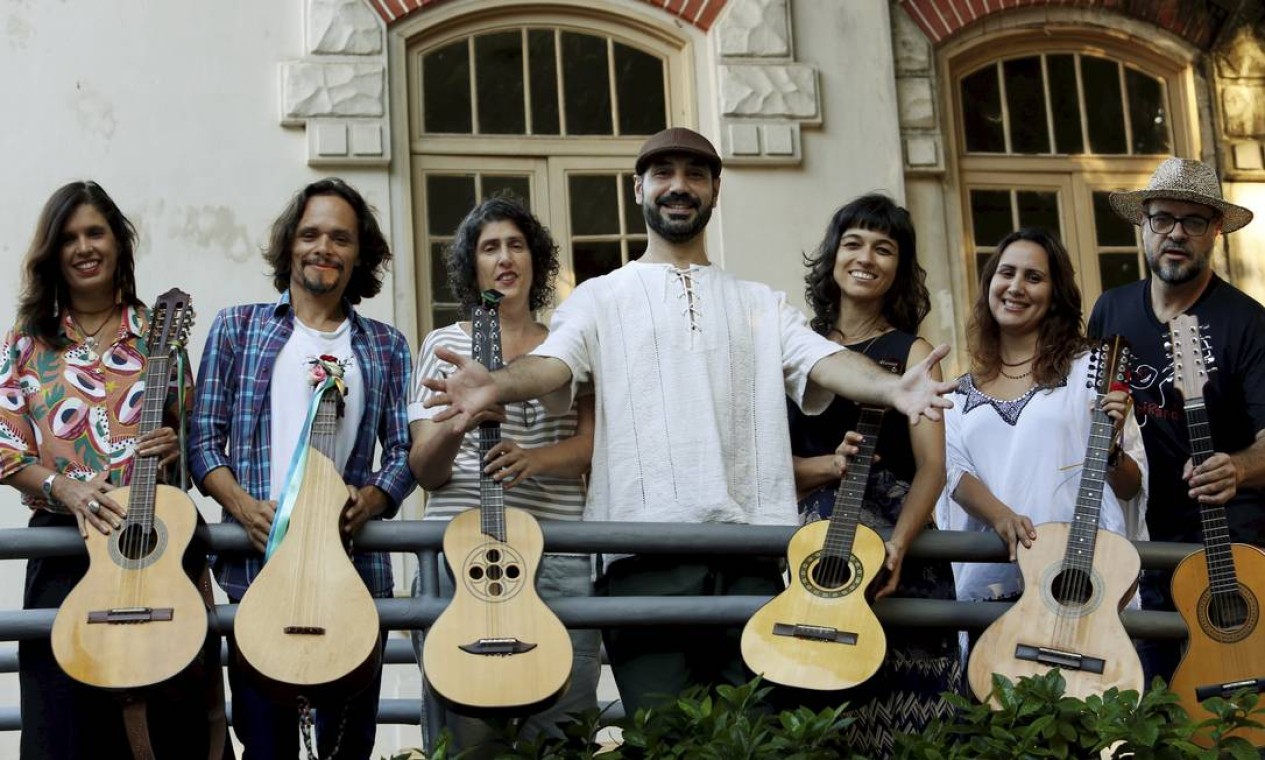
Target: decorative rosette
<point>326,367</point>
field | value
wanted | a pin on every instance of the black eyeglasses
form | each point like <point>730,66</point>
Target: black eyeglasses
<point>1162,224</point>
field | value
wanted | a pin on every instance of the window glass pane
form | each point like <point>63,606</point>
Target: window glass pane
<point>990,216</point>
<point>980,260</point>
<point>981,112</point>
<point>1061,70</point>
<point>1025,96</point>
<point>639,87</point>
<point>1104,112</point>
<point>594,204</point>
<point>1039,209</point>
<point>544,81</point>
<point>586,84</point>
<point>446,89</point>
<point>593,259</point>
<point>448,199</point>
<point>498,65</point>
<point>634,221</point>
<point>1118,269</point>
<point>446,315</point>
<point>1147,113</point>
<point>518,188</point>
<point>1109,228</point>
<point>440,292</point>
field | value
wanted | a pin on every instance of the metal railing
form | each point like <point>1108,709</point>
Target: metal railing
<point>424,540</point>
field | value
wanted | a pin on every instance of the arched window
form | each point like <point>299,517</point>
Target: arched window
<point>1046,127</point>
<point>549,108</point>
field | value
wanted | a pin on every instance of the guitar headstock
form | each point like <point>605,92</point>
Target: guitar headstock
<point>170,322</point>
<point>1109,364</point>
<point>485,330</point>
<point>1190,354</point>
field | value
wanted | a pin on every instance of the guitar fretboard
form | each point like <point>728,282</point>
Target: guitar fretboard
<point>145,470</point>
<point>324,433</point>
<point>1223,580</point>
<point>1083,537</point>
<point>851,494</point>
<point>486,349</point>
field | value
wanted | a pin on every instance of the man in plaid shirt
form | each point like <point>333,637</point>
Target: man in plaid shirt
<point>254,388</point>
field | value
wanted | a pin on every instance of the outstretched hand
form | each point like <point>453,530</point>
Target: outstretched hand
<point>467,392</point>
<point>919,393</point>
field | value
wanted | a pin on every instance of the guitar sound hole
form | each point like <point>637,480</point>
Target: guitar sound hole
<point>476,573</point>
<point>831,573</point>
<point>494,555</point>
<point>1229,611</point>
<point>494,572</point>
<point>494,589</point>
<point>1072,587</point>
<point>512,572</point>
<point>136,541</point>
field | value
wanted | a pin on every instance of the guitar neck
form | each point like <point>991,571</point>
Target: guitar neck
<point>324,433</point>
<point>851,494</point>
<point>145,469</point>
<point>1083,536</point>
<point>1222,577</point>
<point>485,341</point>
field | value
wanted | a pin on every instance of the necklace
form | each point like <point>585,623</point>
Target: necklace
<point>90,337</point>
<point>1013,377</point>
<point>1019,363</point>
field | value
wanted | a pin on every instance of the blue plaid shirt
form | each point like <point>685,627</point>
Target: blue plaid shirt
<point>232,419</point>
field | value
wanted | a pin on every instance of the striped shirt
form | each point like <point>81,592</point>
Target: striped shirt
<point>545,497</point>
<point>232,420</point>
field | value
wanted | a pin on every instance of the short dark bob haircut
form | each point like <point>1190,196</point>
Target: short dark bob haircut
<point>375,254</point>
<point>44,290</point>
<point>906,304</point>
<point>459,259</point>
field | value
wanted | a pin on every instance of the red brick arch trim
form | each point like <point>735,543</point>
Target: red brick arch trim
<point>700,13</point>
<point>1196,21</point>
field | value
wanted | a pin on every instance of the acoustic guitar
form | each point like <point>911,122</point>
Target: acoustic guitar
<point>136,619</point>
<point>307,626</point>
<point>1217,589</point>
<point>1076,579</point>
<point>496,647</point>
<point>820,633</point>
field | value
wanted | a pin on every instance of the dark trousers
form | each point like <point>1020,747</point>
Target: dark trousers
<point>269,729</point>
<point>63,719</point>
<point>653,664</point>
<point>1159,656</point>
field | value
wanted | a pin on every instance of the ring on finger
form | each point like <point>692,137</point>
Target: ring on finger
<point>94,506</point>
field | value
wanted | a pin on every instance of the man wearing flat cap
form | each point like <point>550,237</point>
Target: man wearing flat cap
<point>1181,213</point>
<point>692,368</point>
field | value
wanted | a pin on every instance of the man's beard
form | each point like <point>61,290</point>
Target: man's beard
<point>676,231</point>
<point>1178,274</point>
<point>318,286</point>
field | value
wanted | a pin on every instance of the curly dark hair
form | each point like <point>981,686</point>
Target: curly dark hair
<point>1060,338</point>
<point>44,290</point>
<point>907,302</point>
<point>374,253</point>
<point>459,257</point>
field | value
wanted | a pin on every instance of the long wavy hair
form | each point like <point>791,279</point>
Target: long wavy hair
<point>459,259</point>
<point>374,253</point>
<point>44,289</point>
<point>1059,339</point>
<point>907,302</point>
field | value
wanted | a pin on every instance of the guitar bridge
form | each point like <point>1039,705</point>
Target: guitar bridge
<point>501,647</point>
<point>1060,659</point>
<point>121,615</point>
<point>1228,689</point>
<point>304,630</point>
<point>814,633</point>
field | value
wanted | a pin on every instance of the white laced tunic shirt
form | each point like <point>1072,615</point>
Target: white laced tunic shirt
<point>691,368</point>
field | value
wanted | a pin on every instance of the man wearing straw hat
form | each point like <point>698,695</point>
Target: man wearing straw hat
<point>1181,213</point>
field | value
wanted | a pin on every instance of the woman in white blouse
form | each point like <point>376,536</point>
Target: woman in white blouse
<point>1017,433</point>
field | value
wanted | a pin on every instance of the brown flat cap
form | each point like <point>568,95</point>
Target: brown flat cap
<point>678,140</point>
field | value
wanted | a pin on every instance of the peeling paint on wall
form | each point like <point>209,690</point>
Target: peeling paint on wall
<point>214,228</point>
<point>94,112</point>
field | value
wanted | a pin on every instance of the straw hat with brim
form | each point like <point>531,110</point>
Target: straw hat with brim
<point>1182,179</point>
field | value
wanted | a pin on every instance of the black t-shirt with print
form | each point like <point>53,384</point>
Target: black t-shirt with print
<point>1234,395</point>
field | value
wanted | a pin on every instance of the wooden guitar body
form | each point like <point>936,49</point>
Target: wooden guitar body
<point>135,619</point>
<point>496,647</point>
<point>815,636</point>
<point>1226,650</point>
<point>1040,632</point>
<point>308,625</point>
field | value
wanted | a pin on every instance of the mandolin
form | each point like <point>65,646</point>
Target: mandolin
<point>496,647</point>
<point>1076,578</point>
<point>136,619</point>
<point>1217,589</point>
<point>307,626</point>
<point>820,633</point>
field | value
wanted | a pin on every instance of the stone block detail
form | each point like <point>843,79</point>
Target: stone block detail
<point>1243,108</point>
<point>331,138</point>
<point>343,27</point>
<point>922,152</point>
<point>756,28</point>
<point>779,140</point>
<point>1247,156</point>
<point>909,44</point>
<point>744,139</point>
<point>313,90</point>
<point>916,103</point>
<point>783,91</point>
<point>366,139</point>
<point>753,143</point>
